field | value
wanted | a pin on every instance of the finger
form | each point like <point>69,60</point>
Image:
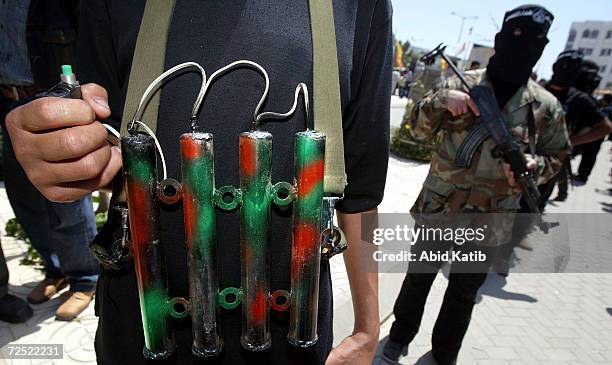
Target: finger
<point>464,108</point>
<point>50,113</point>
<point>70,143</point>
<point>71,191</point>
<point>83,168</point>
<point>473,106</point>
<point>97,97</point>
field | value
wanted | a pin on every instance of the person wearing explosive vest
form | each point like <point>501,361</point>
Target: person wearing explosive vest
<point>276,34</point>
<point>487,185</point>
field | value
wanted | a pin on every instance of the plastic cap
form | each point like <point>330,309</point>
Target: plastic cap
<point>66,70</point>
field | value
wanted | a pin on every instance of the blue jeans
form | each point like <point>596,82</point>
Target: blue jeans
<point>60,232</point>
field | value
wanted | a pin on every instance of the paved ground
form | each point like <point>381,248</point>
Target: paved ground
<point>526,319</point>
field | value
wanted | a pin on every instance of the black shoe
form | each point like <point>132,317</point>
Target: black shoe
<point>561,198</point>
<point>391,353</point>
<point>579,180</point>
<point>14,310</point>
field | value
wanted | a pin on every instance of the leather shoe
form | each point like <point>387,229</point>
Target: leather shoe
<point>76,302</point>
<point>46,289</point>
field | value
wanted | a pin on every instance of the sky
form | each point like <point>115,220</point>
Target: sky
<point>426,23</point>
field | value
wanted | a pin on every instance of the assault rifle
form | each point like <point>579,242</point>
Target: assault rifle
<point>492,124</point>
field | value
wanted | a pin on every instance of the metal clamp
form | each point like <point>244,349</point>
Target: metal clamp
<point>333,240</point>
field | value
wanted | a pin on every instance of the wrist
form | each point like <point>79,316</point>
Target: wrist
<point>366,339</point>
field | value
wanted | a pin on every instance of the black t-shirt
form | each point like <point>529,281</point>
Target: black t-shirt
<point>581,110</point>
<point>276,34</point>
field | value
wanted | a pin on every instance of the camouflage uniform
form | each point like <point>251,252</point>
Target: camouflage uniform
<point>483,186</point>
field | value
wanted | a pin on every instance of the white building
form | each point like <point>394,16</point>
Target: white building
<point>594,38</point>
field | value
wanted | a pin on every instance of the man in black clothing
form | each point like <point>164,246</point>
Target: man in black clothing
<point>275,34</point>
<point>588,80</point>
<point>586,124</point>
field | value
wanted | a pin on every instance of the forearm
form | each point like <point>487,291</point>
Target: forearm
<point>362,273</point>
<point>599,131</point>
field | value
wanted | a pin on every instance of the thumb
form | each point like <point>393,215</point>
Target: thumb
<point>97,97</point>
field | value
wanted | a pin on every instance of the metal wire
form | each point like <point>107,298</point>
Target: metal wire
<point>228,68</point>
<point>301,88</point>
<point>155,84</point>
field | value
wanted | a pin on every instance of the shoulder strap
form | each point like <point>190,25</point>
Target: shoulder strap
<point>531,127</point>
<point>148,61</point>
<point>326,90</point>
<point>149,58</point>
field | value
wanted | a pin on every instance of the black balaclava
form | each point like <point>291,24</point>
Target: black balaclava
<point>566,69</point>
<point>588,79</point>
<point>518,47</point>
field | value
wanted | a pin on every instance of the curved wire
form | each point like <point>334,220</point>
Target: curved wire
<point>228,68</point>
<point>155,84</point>
<point>301,88</point>
<point>158,146</point>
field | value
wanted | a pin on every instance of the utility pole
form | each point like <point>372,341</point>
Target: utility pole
<point>463,19</point>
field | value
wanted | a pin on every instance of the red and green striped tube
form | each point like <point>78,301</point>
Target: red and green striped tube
<point>197,158</point>
<point>255,185</point>
<point>306,250</point>
<point>140,168</point>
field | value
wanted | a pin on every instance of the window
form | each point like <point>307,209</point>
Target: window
<point>609,84</point>
<point>608,35</point>
<point>581,50</point>
<point>572,35</point>
<point>586,33</point>
<point>602,69</point>
<point>606,52</point>
<point>595,34</point>
<point>588,51</point>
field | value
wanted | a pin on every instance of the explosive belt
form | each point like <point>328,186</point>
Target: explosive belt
<point>134,216</point>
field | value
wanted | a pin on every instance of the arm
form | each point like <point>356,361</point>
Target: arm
<point>362,272</point>
<point>439,105</point>
<point>599,131</point>
<point>553,144</point>
<point>366,135</point>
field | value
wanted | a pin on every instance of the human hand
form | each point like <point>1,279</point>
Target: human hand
<point>357,349</point>
<point>459,103</point>
<point>62,146</point>
<point>531,165</point>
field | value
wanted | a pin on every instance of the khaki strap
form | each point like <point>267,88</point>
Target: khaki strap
<point>326,90</point>
<point>148,61</point>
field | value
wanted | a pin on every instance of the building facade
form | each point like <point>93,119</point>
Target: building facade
<point>594,39</point>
